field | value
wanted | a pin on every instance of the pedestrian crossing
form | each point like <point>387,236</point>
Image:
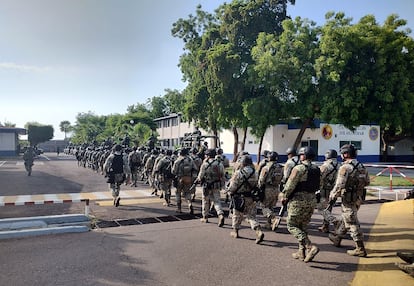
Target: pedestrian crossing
<point>102,198</point>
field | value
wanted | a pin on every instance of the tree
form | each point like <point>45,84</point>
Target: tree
<point>218,59</point>
<point>64,126</point>
<point>286,66</point>
<point>368,70</point>
<point>39,133</point>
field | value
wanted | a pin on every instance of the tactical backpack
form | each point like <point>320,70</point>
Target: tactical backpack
<point>274,175</point>
<point>330,178</point>
<point>213,172</point>
<point>166,169</point>
<point>357,181</point>
<point>186,167</point>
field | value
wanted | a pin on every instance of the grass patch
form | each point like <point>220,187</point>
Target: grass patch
<point>396,181</point>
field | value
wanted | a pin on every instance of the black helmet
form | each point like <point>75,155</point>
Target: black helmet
<point>331,153</point>
<point>184,152</point>
<point>169,152</point>
<point>266,153</point>
<point>308,152</point>
<point>211,153</point>
<point>290,150</point>
<point>273,156</point>
<point>117,148</point>
<point>246,160</point>
<point>350,149</point>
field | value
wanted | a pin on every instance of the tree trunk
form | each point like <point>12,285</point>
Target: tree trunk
<point>260,149</point>
<point>305,125</point>
<point>236,143</point>
<point>243,143</point>
<point>384,147</point>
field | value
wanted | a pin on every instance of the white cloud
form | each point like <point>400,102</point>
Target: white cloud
<point>24,68</point>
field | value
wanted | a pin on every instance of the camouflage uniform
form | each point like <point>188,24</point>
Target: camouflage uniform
<point>241,185</point>
<point>184,179</point>
<point>165,180</point>
<point>211,174</point>
<point>28,158</point>
<point>301,205</point>
<point>115,177</point>
<point>269,178</point>
<point>329,170</point>
<point>350,204</point>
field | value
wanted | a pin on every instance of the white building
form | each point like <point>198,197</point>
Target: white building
<point>9,140</point>
<point>280,137</point>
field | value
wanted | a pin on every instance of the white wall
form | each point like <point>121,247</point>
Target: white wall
<point>7,141</point>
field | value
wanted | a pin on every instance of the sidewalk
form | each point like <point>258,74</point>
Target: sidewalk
<point>393,231</point>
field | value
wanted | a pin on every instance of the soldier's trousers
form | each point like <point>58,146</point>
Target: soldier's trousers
<point>209,196</point>
<point>270,201</point>
<point>299,216</point>
<point>350,221</point>
<point>249,212</point>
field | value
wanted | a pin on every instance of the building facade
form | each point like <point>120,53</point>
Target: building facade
<point>322,136</point>
<point>9,141</point>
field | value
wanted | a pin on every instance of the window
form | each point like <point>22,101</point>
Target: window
<point>312,143</point>
<point>174,121</point>
<point>357,144</point>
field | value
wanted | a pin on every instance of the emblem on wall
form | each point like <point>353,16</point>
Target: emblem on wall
<point>373,133</point>
<point>327,132</point>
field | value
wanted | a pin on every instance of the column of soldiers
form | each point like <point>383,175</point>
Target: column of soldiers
<point>300,185</point>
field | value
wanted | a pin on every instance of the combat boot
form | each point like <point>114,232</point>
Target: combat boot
<point>312,250</point>
<point>221,220</point>
<point>268,224</point>
<point>359,249</point>
<point>300,254</point>
<point>234,233</point>
<point>336,240</point>
<point>259,234</point>
<point>204,219</point>
<point>191,210</point>
<point>324,228</point>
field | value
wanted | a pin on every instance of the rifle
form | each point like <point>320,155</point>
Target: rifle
<point>277,221</point>
<point>193,186</point>
<point>330,205</point>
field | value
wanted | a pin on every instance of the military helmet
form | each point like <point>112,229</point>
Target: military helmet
<point>273,156</point>
<point>117,148</point>
<point>246,160</point>
<point>290,150</point>
<point>350,149</point>
<point>308,152</point>
<point>169,152</point>
<point>211,153</point>
<point>184,152</point>
<point>331,153</point>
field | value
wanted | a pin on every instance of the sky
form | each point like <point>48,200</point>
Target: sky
<point>59,58</point>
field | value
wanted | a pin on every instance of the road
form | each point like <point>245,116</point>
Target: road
<point>185,252</point>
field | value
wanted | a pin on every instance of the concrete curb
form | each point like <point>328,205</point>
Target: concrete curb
<point>43,225</point>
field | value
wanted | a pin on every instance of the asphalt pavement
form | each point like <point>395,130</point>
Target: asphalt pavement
<point>188,252</point>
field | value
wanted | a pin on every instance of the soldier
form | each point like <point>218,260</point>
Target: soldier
<point>149,165</point>
<point>28,158</point>
<point>240,187</point>
<point>350,185</point>
<point>291,162</point>
<point>197,161</point>
<point>269,179</point>
<point>299,194</point>
<point>134,160</point>
<point>329,170</point>
<point>211,176</point>
<point>115,167</point>
<point>164,170</point>
<point>185,171</point>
